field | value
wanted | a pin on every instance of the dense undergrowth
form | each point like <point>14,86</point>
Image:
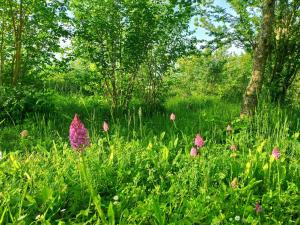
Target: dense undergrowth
<point>141,171</point>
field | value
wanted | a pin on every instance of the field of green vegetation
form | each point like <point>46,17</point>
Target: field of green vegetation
<point>141,170</point>
<point>149,112</point>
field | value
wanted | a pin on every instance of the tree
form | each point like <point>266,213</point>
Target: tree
<point>241,28</point>
<point>238,27</point>
<point>3,36</point>
<point>124,38</point>
<point>29,36</point>
<point>285,62</point>
<point>259,60</point>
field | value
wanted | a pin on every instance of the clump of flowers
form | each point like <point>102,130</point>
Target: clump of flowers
<point>172,117</point>
<point>258,207</point>
<point>199,142</point>
<point>24,134</point>
<point>78,135</point>
<point>105,126</point>
<point>193,152</point>
<point>276,153</point>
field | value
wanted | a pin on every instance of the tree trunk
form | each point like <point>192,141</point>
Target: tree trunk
<point>1,61</point>
<point>17,65</point>
<point>18,29</point>
<point>259,60</point>
<point>2,48</point>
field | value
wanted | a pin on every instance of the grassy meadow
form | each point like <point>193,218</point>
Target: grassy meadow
<point>141,170</point>
<point>149,112</point>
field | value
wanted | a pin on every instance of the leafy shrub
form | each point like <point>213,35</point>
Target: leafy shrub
<point>218,74</point>
<point>16,102</point>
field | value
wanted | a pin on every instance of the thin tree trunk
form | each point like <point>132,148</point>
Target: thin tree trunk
<point>18,29</point>
<point>2,48</point>
<point>259,61</point>
<point>17,67</point>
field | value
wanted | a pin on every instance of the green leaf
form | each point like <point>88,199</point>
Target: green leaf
<point>111,214</point>
<point>162,135</point>
<point>175,142</point>
<point>165,153</point>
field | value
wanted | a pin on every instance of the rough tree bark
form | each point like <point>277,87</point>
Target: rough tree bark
<point>259,60</point>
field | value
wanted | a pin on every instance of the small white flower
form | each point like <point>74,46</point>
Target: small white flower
<point>237,218</point>
<point>62,210</point>
<point>38,217</point>
<point>1,155</point>
<point>116,198</point>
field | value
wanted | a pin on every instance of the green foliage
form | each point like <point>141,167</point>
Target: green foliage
<point>139,57</point>
<point>284,64</point>
<point>142,171</point>
<point>30,32</point>
<point>132,44</point>
<point>16,102</point>
<point>238,71</point>
<point>81,77</point>
<point>217,74</point>
<point>239,26</point>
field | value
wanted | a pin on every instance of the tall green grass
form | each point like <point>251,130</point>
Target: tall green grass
<point>142,172</point>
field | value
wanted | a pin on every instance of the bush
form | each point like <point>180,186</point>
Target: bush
<point>16,102</point>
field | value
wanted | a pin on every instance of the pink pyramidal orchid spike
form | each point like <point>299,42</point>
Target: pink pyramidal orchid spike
<point>172,117</point>
<point>78,135</point>
<point>105,126</point>
<point>233,148</point>
<point>276,153</point>
<point>199,142</point>
<point>194,152</point>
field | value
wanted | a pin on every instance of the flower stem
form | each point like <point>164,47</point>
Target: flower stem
<point>96,198</point>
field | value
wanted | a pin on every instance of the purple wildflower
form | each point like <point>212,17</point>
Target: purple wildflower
<point>199,142</point>
<point>78,134</point>
<point>194,152</point>
<point>276,153</point>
